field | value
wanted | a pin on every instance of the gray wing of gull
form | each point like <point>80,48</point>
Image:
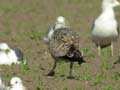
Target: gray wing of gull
<point>18,53</point>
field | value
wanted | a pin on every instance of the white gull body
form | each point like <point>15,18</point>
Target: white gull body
<point>105,29</point>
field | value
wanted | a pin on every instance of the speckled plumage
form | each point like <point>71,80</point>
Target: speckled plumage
<point>64,45</point>
<point>62,40</point>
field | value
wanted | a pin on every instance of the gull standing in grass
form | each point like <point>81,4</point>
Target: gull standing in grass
<point>105,29</point>
<point>10,55</point>
<point>64,45</point>
<point>16,84</point>
<point>60,23</point>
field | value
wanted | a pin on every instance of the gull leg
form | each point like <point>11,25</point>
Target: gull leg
<point>71,66</point>
<point>70,73</point>
<point>112,49</point>
<point>51,73</point>
<point>99,50</point>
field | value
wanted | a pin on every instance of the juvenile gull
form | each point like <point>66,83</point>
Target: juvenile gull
<point>64,45</point>
<point>105,29</point>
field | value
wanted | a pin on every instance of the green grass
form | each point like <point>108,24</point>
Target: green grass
<point>89,53</point>
<point>34,35</point>
<point>85,75</point>
<point>107,52</point>
<point>99,77</point>
<point>7,10</point>
<point>106,65</point>
<point>61,70</point>
<point>107,87</point>
<point>5,32</point>
<point>25,68</point>
<point>37,88</point>
<point>116,75</point>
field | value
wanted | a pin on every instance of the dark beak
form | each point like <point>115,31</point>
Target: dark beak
<point>10,85</point>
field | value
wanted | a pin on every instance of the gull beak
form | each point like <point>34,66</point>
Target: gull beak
<point>9,84</point>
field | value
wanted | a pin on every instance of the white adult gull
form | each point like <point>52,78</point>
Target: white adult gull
<point>16,84</point>
<point>60,23</point>
<point>105,29</point>
<point>10,55</point>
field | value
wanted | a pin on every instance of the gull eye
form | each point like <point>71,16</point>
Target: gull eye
<point>16,82</point>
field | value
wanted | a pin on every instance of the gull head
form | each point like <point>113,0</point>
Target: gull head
<point>110,3</point>
<point>4,46</point>
<point>61,22</point>
<point>15,81</point>
<point>60,19</point>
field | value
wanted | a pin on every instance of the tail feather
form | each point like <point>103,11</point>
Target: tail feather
<point>75,55</point>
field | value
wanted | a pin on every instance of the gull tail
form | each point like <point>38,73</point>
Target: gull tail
<point>75,55</point>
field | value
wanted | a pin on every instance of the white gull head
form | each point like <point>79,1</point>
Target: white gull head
<point>15,81</point>
<point>60,22</point>
<point>16,84</point>
<point>4,46</point>
<point>110,4</point>
<point>60,19</point>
